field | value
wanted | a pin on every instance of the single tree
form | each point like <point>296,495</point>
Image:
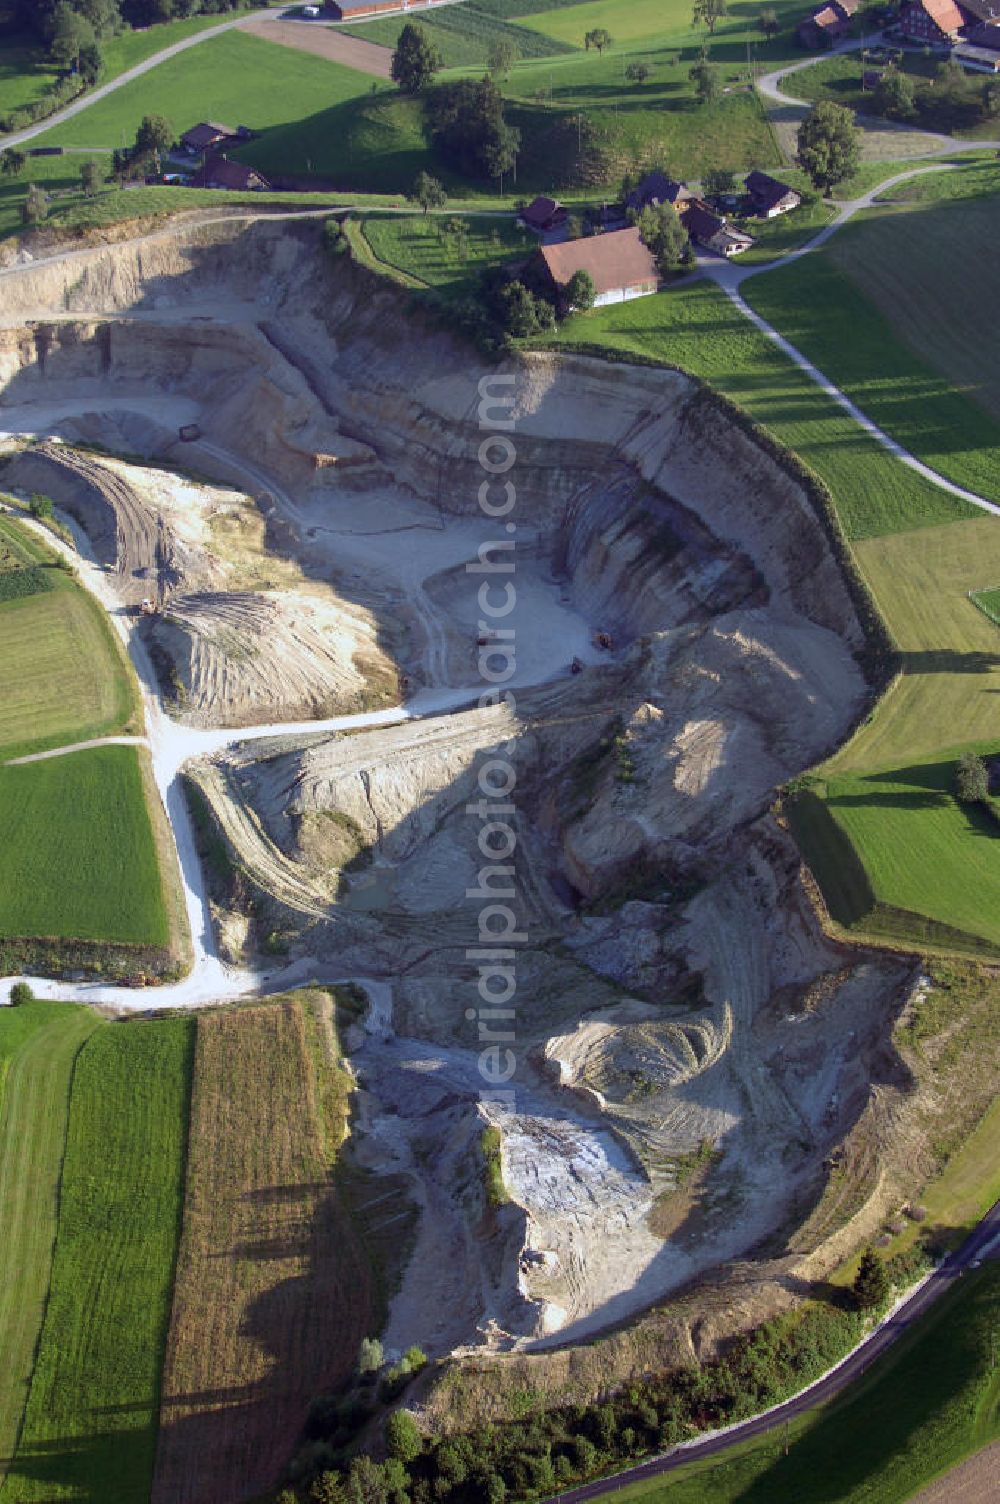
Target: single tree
<point>427,192</point>
<point>21,993</point>
<point>503,55</point>
<point>71,33</point>
<point>91,177</point>
<point>12,163</point>
<point>415,60</point>
<point>91,64</point>
<point>829,145</point>
<point>637,73</point>
<point>328,1488</point>
<point>370,1355</point>
<point>709,13</point>
<point>599,38</point>
<point>366,1483</point>
<point>155,134</point>
<point>706,82</point>
<point>402,1436</point>
<point>521,313</point>
<point>580,291</point>
<point>767,22</point>
<point>972,779</point>
<point>35,206</point>
<point>499,154</point>
<point>895,95</point>
<point>871,1283</point>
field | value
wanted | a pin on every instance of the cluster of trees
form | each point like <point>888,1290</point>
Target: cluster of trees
<point>662,231</point>
<point>469,129</point>
<point>549,1450</point>
<point>952,100</point>
<point>153,139</point>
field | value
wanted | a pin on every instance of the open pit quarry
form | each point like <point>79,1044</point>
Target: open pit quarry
<point>691,1053</point>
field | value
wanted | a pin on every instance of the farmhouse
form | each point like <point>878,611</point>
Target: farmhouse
<point>620,266</point>
<point>655,189</point>
<point>543,215</point>
<point>770,197</point>
<point>350,10</point>
<point>827,24</point>
<point>207,134</point>
<point>712,231</point>
<point>931,21</point>
<point>219,172</point>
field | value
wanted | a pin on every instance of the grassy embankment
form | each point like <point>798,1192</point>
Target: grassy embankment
<point>91,1419</point>
<point>924,1407</point>
<point>274,1291</point>
<point>90,873</point>
<point>64,676</point>
<point>885,510</point>
<point>39,1044</point>
<point>840,80</point>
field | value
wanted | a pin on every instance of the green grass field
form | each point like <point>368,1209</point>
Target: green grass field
<point>897,856</point>
<point>79,855</point>
<point>462,34</point>
<point>930,1402</point>
<point>892,255</point>
<point>92,1416</point>
<point>237,78</point>
<point>64,676</point>
<point>821,310</point>
<point>39,1043</point>
<point>419,246</point>
<point>697,328</point>
<point>948,692</point>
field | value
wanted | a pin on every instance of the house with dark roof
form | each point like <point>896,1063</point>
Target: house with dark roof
<point>712,230</point>
<point>931,21</point>
<point>655,189</point>
<point>206,135</point>
<point>769,196</point>
<point>619,265</point>
<point>829,22</point>
<point>235,177</point>
<point>543,215</point>
<point>987,35</point>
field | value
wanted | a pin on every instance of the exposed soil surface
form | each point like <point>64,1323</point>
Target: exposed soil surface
<point>323,41</point>
<point>691,1056</point>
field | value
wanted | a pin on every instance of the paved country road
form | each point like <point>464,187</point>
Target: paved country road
<point>978,1245</point>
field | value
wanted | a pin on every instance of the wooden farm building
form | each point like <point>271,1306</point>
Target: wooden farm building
<point>828,23</point>
<point>206,135</point>
<point>543,215</point>
<point>619,265</point>
<point>931,21</point>
<point>655,189</point>
<point>236,177</point>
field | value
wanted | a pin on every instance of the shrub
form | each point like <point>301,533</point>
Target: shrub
<point>402,1436</point>
<point>21,993</point>
<point>972,780</point>
<point>871,1283</point>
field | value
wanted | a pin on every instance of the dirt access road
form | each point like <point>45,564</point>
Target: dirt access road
<point>984,1242</point>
